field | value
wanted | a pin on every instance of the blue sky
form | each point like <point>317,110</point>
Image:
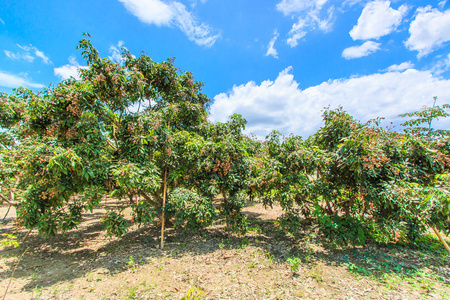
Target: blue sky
<point>278,63</point>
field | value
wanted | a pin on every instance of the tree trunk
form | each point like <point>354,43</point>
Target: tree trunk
<point>329,209</point>
<point>225,202</point>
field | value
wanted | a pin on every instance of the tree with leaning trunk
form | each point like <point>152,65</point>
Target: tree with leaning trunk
<point>115,131</point>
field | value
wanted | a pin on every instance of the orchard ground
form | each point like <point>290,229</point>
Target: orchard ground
<point>266,263</point>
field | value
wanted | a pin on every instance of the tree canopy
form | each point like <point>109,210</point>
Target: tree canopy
<point>138,131</point>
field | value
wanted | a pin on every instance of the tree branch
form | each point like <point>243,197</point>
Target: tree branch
<point>13,203</point>
<point>149,200</point>
<point>111,145</point>
<point>158,197</point>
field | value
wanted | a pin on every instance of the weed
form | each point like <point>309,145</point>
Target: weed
<point>130,262</point>
<point>317,274</point>
<point>37,293</point>
<point>194,293</point>
<point>357,270</point>
<point>245,243</point>
<point>389,270</point>
<point>131,292</point>
<point>9,240</point>
<point>256,230</point>
<point>444,296</point>
<point>270,258</point>
<point>308,256</point>
<point>35,275</point>
<point>391,280</point>
<point>294,262</point>
<point>55,290</point>
<point>230,245</point>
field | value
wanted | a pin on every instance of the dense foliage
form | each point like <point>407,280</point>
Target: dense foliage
<point>359,181</point>
<point>128,130</point>
<point>137,131</point>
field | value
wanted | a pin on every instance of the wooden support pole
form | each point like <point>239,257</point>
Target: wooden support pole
<point>441,239</point>
<point>163,205</point>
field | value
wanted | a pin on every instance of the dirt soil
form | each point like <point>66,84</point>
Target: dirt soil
<point>266,263</point>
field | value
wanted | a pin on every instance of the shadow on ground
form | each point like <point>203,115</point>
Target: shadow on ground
<point>64,257</point>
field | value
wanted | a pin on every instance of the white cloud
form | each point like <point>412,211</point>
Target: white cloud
<point>1,21</point>
<point>14,81</point>
<point>365,49</point>
<point>429,30</point>
<point>150,11</point>
<point>69,70</point>
<point>283,106</point>
<point>311,15</point>
<point>401,67</point>
<point>297,32</point>
<point>19,56</point>
<point>351,2</point>
<point>201,34</point>
<point>326,23</point>
<point>172,13</point>
<point>295,6</point>
<point>270,49</point>
<point>377,19</point>
<point>42,56</point>
<point>441,66</point>
<point>442,4</point>
<point>116,52</point>
<point>27,54</point>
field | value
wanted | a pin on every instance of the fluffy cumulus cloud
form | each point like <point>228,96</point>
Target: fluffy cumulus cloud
<point>360,51</point>
<point>72,69</point>
<point>377,19</point>
<point>282,105</point>
<point>270,48</point>
<point>429,30</point>
<point>28,53</point>
<point>13,81</point>
<point>172,13</point>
